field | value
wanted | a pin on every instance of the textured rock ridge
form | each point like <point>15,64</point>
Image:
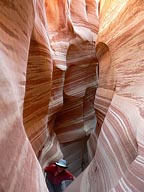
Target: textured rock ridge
<point>71,115</point>
<point>44,53</point>
<point>71,85</point>
<point>118,158</point>
<point>20,170</point>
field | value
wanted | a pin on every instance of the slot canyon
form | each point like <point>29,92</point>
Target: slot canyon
<point>71,86</point>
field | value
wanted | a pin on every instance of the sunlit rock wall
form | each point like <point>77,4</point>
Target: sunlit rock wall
<point>23,39</point>
<point>48,83</point>
<point>71,117</point>
<point>118,164</point>
<point>48,107</point>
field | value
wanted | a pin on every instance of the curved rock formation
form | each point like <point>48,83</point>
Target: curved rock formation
<point>118,161</point>
<point>71,113</point>
<point>71,80</point>
<point>20,28</point>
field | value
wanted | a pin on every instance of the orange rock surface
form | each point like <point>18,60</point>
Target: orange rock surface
<point>71,79</point>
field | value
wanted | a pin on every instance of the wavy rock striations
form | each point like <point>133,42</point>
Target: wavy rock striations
<point>71,81</point>
<point>118,152</point>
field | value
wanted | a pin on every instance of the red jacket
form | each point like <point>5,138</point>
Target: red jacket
<point>64,175</point>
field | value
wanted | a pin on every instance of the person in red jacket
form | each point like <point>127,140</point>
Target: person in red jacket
<point>56,173</point>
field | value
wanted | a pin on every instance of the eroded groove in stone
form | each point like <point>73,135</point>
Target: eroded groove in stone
<point>71,85</point>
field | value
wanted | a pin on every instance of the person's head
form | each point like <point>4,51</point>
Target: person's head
<point>61,165</point>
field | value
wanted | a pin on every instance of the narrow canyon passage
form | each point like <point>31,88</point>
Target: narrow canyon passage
<point>71,86</point>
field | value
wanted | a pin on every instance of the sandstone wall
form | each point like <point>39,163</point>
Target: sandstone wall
<point>48,83</point>
<point>118,161</point>
<point>50,69</point>
<point>22,39</point>
<point>71,115</point>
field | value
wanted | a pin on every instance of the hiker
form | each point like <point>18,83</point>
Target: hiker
<point>56,173</point>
